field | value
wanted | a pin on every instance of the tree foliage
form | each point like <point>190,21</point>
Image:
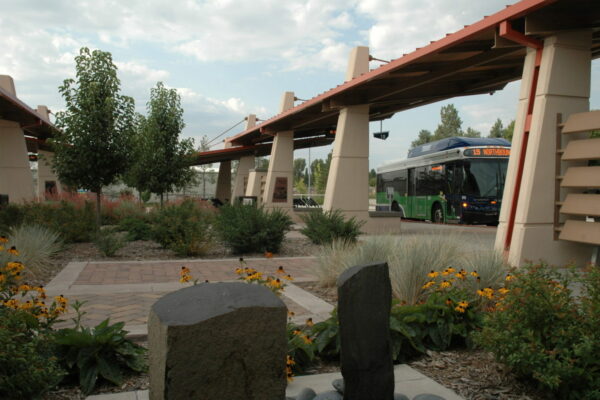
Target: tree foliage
<point>299,167</point>
<point>497,130</point>
<point>162,155</point>
<point>450,124</point>
<point>470,132</point>
<point>320,172</point>
<point>92,148</point>
<point>425,136</point>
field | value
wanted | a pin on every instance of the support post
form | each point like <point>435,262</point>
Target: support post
<point>223,190</point>
<point>47,181</point>
<point>245,164</point>
<point>348,180</point>
<point>563,87</point>
<point>278,185</point>
<point>16,179</point>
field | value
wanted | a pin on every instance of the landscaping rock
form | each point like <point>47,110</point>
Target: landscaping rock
<point>338,385</point>
<point>426,396</point>
<point>218,341</point>
<point>306,394</point>
<point>331,395</point>
<point>364,303</point>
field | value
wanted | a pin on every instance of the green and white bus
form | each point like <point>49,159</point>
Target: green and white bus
<point>456,179</point>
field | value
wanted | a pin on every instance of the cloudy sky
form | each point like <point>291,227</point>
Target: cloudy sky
<point>228,58</point>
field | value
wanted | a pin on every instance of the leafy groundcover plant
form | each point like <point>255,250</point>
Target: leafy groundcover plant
<point>99,352</point>
<point>547,327</point>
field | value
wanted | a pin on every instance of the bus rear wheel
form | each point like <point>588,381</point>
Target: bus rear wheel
<point>437,214</point>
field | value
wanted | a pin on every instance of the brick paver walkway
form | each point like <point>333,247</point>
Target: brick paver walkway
<point>125,291</point>
<point>109,273</point>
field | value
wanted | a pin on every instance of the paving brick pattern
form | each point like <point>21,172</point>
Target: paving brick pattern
<point>103,273</point>
<point>131,308</point>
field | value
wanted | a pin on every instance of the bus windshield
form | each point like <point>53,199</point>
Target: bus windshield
<point>484,177</point>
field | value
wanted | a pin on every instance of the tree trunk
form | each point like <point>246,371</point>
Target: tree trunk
<point>98,214</point>
<point>161,200</point>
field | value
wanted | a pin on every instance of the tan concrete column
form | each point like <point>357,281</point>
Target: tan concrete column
<point>348,180</point>
<point>45,173</point>
<point>223,190</point>
<point>16,179</point>
<point>256,184</point>
<point>563,87</point>
<point>280,176</point>
<point>245,164</point>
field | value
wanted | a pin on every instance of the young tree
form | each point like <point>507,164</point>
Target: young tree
<point>470,132</point>
<point>168,158</point>
<point>425,136</point>
<point>508,131</point>
<point>93,145</point>
<point>497,130</point>
<point>450,125</point>
<point>299,167</point>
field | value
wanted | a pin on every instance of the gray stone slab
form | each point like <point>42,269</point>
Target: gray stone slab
<point>217,341</point>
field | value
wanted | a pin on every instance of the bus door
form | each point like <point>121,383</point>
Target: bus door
<point>420,205</point>
<point>410,200</point>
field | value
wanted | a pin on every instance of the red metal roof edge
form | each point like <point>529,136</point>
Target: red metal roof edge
<point>19,103</point>
<point>509,13</point>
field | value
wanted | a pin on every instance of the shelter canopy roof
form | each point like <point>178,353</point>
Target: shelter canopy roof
<point>474,60</point>
<point>13,109</point>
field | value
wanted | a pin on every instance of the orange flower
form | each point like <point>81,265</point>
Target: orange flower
<point>268,254</point>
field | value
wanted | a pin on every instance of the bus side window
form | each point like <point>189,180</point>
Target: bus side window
<point>412,182</point>
<point>403,183</point>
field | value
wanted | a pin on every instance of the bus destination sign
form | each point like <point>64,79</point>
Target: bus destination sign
<point>488,152</point>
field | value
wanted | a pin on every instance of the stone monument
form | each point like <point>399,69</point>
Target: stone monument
<point>216,341</point>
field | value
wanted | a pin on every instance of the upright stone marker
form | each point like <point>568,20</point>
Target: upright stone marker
<point>218,341</point>
<point>364,303</point>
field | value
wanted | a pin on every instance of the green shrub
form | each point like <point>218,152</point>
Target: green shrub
<point>10,215</point>
<point>36,245</point>
<point>108,242</point>
<point>250,229</point>
<point>300,349</point>
<point>541,330</point>
<point>99,352</point>
<point>184,228</point>
<point>28,367</point>
<point>137,227</point>
<point>324,227</point>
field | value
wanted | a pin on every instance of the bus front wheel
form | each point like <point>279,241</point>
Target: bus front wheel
<point>437,214</point>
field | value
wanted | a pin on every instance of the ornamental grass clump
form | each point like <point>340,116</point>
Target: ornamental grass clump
<point>323,227</point>
<point>544,331</point>
<point>37,245</point>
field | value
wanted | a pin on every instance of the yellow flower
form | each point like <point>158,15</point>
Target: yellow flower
<point>185,278</point>
<point>509,277</point>
<point>288,277</point>
<point>480,292</point>
<point>275,283</point>
<point>475,274</point>
<point>268,254</point>
<point>239,271</point>
<point>280,270</point>
<point>445,272</point>
<point>445,284</point>
<point>291,313</point>
<point>3,239</point>
<point>1,248</point>
<point>448,302</point>
<point>15,267</point>
<point>433,274</point>
<point>296,331</point>
<point>12,303</point>
<point>459,309</point>
<point>306,339</point>
<point>13,250</point>
<point>463,304</point>
<point>503,291</point>
<point>26,306</point>
<point>61,300</point>
<point>2,278</point>
<point>451,270</point>
<point>309,322</point>
<point>428,284</point>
